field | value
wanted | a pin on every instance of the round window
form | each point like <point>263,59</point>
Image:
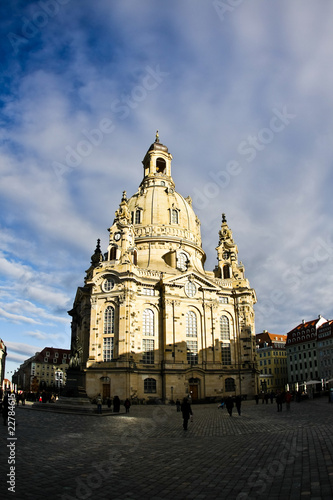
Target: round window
<point>190,289</point>
<point>108,284</point>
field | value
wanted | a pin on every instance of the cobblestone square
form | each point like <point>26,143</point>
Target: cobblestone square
<point>147,455</point>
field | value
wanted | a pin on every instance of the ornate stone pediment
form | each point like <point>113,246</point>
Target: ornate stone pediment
<point>200,281</point>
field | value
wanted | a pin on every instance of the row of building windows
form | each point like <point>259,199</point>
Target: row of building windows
<point>148,345</point>
<point>148,324</point>
<point>300,365</point>
<point>271,353</point>
<point>300,378</point>
<point>275,382</point>
<point>276,371</point>
<point>56,354</point>
<point>310,354</point>
<point>273,362</point>
<point>149,385</point>
<point>299,347</point>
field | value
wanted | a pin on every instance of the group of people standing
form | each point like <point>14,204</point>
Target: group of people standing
<point>116,404</point>
<point>280,398</point>
<point>229,404</point>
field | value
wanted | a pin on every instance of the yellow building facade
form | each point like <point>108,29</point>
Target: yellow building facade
<point>149,321</point>
<point>272,362</point>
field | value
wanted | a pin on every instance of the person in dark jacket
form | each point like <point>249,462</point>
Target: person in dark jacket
<point>4,409</point>
<point>279,400</point>
<point>229,404</point>
<point>239,404</point>
<point>186,412</point>
<point>127,405</point>
<point>116,404</point>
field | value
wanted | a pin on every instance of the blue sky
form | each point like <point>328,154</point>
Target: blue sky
<point>241,93</point>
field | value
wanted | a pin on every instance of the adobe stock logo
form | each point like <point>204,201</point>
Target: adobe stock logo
<point>39,20</point>
<point>225,7</point>
<point>248,149</point>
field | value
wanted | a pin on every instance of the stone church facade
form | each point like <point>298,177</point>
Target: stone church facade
<point>149,321</point>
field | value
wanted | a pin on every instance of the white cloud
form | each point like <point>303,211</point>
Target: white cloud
<point>17,318</point>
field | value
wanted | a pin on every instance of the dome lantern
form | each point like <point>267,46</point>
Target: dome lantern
<point>157,162</point>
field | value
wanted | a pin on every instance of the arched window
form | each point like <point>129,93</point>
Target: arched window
<point>191,324</point>
<point>135,258</point>
<point>160,166</point>
<point>174,216</point>
<point>113,253</point>
<point>148,322</point>
<point>149,385</point>
<point>224,328</point>
<point>109,320</point>
<point>226,271</point>
<point>229,384</point>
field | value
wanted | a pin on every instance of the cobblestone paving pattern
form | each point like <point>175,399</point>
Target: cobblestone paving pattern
<point>264,454</point>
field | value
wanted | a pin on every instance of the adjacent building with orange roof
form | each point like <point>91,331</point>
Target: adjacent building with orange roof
<point>272,361</point>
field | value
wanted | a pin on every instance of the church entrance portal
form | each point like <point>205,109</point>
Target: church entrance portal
<point>194,388</point>
<point>106,391</point>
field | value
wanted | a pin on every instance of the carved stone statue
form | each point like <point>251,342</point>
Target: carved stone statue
<point>76,352</point>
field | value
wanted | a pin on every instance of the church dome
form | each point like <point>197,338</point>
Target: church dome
<point>157,209</point>
<point>160,211</point>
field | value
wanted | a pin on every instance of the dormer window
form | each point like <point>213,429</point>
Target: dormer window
<point>137,216</point>
<point>173,216</point>
<point>160,166</point>
<point>182,261</point>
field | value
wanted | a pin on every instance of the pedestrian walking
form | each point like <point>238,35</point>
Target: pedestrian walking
<point>278,400</point>
<point>288,398</point>
<point>178,405</point>
<point>127,405</point>
<point>186,412</point>
<point>99,402</point>
<point>229,404</point>
<point>239,404</point>
<point>4,409</point>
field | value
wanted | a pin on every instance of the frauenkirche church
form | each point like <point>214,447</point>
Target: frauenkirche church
<point>149,320</point>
